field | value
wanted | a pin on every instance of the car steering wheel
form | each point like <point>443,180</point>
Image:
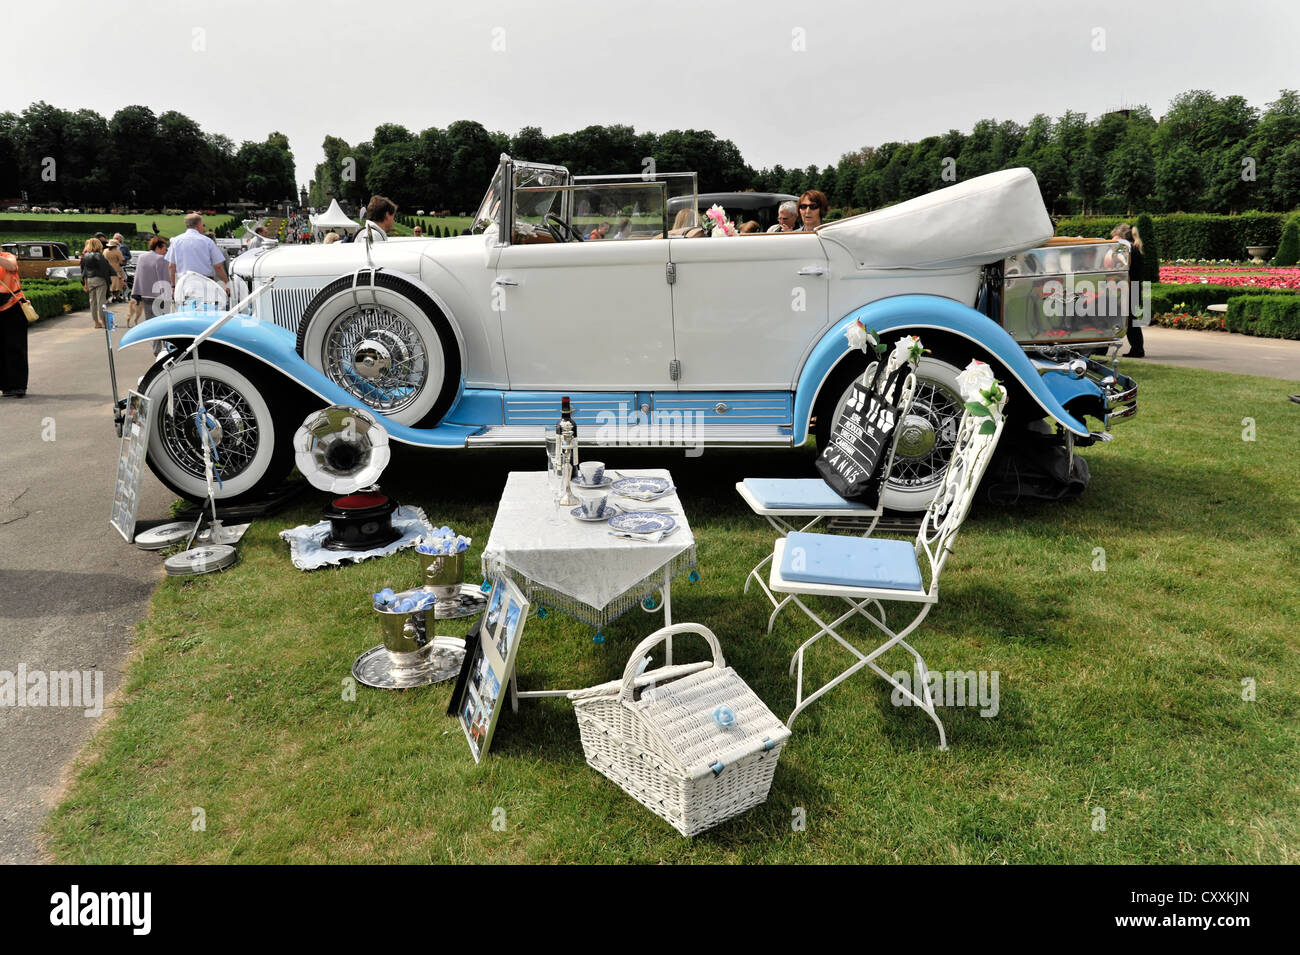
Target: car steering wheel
<point>558,229</point>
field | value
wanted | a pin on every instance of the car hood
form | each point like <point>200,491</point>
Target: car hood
<point>288,261</point>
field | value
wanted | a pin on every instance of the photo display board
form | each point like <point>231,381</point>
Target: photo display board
<point>130,465</point>
<point>489,665</point>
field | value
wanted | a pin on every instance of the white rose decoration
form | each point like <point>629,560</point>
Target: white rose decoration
<point>901,354</point>
<point>976,378</point>
<point>857,336</point>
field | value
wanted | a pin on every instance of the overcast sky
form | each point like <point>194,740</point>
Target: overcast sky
<point>867,72</point>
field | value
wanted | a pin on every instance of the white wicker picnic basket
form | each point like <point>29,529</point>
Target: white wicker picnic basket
<point>691,743</point>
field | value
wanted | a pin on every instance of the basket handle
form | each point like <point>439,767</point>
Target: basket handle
<point>658,637</point>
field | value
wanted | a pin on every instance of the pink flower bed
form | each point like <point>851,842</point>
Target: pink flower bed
<point>1237,277</point>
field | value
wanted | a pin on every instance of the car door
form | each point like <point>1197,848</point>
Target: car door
<point>746,309</point>
<point>593,316</point>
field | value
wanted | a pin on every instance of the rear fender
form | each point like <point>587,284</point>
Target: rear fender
<point>917,314</point>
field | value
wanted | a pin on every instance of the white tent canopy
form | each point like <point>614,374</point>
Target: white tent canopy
<point>334,220</point>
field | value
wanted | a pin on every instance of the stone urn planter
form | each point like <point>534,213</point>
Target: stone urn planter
<point>1258,253</point>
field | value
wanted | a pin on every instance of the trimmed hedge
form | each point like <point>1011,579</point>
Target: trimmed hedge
<point>1269,316</point>
<point>1192,235</point>
<point>50,298</point>
<point>1198,297</point>
<point>127,229</point>
<point>1288,252</point>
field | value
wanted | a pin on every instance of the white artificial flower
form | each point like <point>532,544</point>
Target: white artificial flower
<point>857,336</point>
<point>977,377</point>
<point>901,354</point>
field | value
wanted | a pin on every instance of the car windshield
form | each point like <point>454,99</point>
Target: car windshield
<point>489,211</point>
<point>679,191</point>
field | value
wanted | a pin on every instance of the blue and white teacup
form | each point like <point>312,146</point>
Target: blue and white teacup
<point>593,505</point>
<point>592,472</point>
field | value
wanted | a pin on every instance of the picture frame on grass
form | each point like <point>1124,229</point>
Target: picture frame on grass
<point>490,654</point>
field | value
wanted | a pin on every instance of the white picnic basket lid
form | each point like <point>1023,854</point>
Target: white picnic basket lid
<point>679,719</point>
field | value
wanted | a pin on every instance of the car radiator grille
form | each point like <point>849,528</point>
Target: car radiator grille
<point>288,305</point>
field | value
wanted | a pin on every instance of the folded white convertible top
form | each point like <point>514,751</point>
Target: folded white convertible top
<point>969,223</point>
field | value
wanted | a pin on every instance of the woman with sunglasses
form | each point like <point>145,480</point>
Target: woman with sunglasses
<point>812,207</point>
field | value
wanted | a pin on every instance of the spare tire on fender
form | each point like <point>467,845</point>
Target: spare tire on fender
<point>385,341</point>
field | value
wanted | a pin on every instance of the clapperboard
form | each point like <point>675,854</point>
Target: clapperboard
<point>852,462</point>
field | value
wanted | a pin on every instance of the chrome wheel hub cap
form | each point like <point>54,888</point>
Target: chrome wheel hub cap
<point>379,353</point>
<point>916,437</point>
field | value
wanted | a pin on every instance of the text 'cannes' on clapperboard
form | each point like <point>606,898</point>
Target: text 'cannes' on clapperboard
<point>858,438</point>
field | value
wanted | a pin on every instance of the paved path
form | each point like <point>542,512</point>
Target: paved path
<point>71,589</point>
<point>1218,351</point>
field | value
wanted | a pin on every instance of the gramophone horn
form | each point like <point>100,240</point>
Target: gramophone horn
<point>341,449</point>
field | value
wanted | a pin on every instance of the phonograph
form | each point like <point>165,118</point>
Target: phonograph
<point>344,450</point>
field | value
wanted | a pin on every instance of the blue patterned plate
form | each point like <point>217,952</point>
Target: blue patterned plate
<point>642,522</point>
<point>642,488</point>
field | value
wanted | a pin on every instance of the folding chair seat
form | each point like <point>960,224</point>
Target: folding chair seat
<point>867,572</point>
<point>800,504</point>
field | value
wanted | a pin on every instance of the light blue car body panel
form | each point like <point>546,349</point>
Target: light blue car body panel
<point>918,313</point>
<point>475,409</point>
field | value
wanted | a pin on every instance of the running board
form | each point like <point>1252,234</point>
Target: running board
<point>671,435</point>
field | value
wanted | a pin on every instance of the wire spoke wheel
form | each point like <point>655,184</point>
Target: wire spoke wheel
<point>383,339</point>
<point>253,445</point>
<point>232,424</point>
<point>927,436</point>
<point>377,355</point>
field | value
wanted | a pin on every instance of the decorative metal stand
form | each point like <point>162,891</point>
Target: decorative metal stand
<point>568,464</point>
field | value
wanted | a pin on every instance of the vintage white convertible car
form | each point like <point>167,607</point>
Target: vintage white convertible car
<point>658,335</point>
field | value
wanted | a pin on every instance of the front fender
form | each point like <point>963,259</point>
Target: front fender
<point>917,313</point>
<point>276,348</point>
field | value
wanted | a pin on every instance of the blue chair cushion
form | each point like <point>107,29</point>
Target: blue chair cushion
<point>812,493</point>
<point>850,561</point>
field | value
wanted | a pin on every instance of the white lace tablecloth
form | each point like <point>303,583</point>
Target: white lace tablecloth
<point>578,566</point>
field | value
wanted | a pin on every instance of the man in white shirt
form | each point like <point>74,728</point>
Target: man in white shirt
<point>193,251</point>
<point>381,217</point>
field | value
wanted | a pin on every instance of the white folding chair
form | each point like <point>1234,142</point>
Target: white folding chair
<point>865,571</point>
<point>785,502</point>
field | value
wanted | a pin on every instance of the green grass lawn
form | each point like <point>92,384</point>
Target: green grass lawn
<point>1120,689</point>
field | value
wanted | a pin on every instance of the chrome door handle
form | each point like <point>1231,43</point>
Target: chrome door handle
<point>504,280</point>
<point>812,270</point>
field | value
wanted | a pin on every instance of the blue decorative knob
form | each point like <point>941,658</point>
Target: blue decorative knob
<point>598,638</point>
<point>724,717</point>
<point>694,576</point>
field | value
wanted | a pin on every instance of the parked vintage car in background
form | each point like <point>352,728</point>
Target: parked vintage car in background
<point>735,341</point>
<point>36,259</point>
<point>741,207</point>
